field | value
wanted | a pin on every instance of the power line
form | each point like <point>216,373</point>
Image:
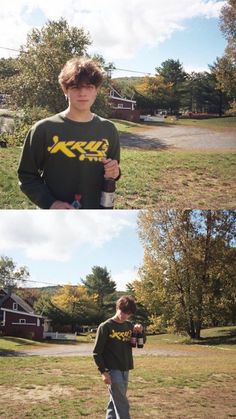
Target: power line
<point>10,49</point>
<point>42,282</point>
<point>112,69</point>
<point>131,71</point>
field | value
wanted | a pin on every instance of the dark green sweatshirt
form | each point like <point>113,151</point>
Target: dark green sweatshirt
<point>112,348</point>
<point>61,158</point>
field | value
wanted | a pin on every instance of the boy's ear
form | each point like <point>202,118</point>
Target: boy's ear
<point>65,90</point>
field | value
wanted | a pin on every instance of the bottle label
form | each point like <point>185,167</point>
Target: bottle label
<point>140,342</point>
<point>133,341</point>
<point>107,199</point>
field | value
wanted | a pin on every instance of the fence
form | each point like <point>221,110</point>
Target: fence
<point>59,336</point>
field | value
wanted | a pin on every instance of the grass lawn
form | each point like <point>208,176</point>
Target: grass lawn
<point>182,381</point>
<point>152,178</point>
<point>218,124</point>
<point>212,123</point>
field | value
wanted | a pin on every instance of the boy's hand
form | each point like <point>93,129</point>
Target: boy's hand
<point>138,328</point>
<point>61,205</point>
<point>111,168</point>
<point>106,378</point>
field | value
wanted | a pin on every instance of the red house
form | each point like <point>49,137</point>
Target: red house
<point>121,107</point>
<point>17,318</point>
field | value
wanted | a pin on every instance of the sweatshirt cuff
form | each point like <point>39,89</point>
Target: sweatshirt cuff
<point>102,370</point>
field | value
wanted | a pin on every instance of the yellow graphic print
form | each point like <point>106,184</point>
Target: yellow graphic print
<point>124,336</point>
<point>90,150</point>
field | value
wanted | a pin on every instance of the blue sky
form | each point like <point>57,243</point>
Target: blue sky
<point>134,35</point>
<point>61,247</point>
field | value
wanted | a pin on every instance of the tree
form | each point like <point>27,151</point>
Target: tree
<point>189,257</point>
<point>7,67</point>
<point>226,65</point>
<point>225,73</point>
<point>45,307</point>
<point>173,73</point>
<point>200,94</point>
<point>76,304</point>
<point>30,295</point>
<point>228,20</point>
<point>11,275</point>
<point>99,284</point>
<point>153,93</point>
<point>40,62</point>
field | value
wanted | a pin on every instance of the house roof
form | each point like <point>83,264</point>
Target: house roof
<point>22,303</point>
<point>117,96</point>
<point>18,300</point>
<point>3,298</point>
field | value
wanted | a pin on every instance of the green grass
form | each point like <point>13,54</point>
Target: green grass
<point>9,345</point>
<point>150,178</point>
<point>212,123</point>
<point>10,194</point>
<point>14,344</point>
<point>198,382</point>
<point>183,180</point>
<point>129,126</point>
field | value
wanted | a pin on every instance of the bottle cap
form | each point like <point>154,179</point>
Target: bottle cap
<point>77,197</point>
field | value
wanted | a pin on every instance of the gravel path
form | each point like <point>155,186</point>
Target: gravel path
<point>181,138</point>
<point>87,349</point>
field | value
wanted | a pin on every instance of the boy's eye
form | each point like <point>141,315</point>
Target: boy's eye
<point>82,86</point>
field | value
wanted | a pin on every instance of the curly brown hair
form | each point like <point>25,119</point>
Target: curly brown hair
<point>80,70</point>
<point>126,304</point>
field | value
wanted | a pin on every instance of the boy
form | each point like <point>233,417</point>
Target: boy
<point>113,356</point>
<point>69,154</point>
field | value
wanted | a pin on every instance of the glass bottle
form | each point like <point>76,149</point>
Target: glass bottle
<point>108,194</point>
<point>140,340</point>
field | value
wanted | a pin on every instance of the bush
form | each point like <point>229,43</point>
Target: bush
<point>157,325</point>
<point>22,123</point>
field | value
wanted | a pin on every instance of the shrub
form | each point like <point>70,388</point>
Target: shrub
<point>157,325</point>
<point>22,123</point>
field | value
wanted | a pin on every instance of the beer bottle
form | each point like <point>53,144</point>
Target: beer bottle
<point>133,339</point>
<point>108,193</point>
<point>140,340</point>
<point>76,203</point>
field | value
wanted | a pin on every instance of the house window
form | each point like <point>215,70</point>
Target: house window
<point>15,306</point>
<point>120,105</point>
<point>23,321</point>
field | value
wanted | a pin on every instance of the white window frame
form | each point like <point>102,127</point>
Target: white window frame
<point>15,306</point>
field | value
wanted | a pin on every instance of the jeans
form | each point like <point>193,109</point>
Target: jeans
<point>118,406</point>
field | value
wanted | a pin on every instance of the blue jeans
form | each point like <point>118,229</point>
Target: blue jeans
<point>118,406</point>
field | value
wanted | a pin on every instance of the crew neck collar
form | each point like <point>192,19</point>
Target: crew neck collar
<point>65,118</point>
<point>118,321</point>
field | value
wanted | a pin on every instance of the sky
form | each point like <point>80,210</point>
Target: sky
<point>135,35</point>
<point>61,247</point>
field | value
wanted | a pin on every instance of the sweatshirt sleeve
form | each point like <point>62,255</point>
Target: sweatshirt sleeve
<point>100,342</point>
<point>114,149</point>
<point>31,167</point>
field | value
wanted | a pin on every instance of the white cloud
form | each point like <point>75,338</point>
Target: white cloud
<point>119,29</point>
<point>46,235</point>
<point>196,68</point>
<point>124,277</point>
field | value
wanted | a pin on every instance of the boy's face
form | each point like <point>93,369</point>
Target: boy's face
<point>123,316</point>
<point>82,96</point>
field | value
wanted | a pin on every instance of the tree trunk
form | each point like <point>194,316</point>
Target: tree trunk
<point>220,111</point>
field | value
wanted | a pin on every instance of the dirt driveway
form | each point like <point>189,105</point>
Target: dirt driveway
<point>85,349</point>
<point>179,137</point>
